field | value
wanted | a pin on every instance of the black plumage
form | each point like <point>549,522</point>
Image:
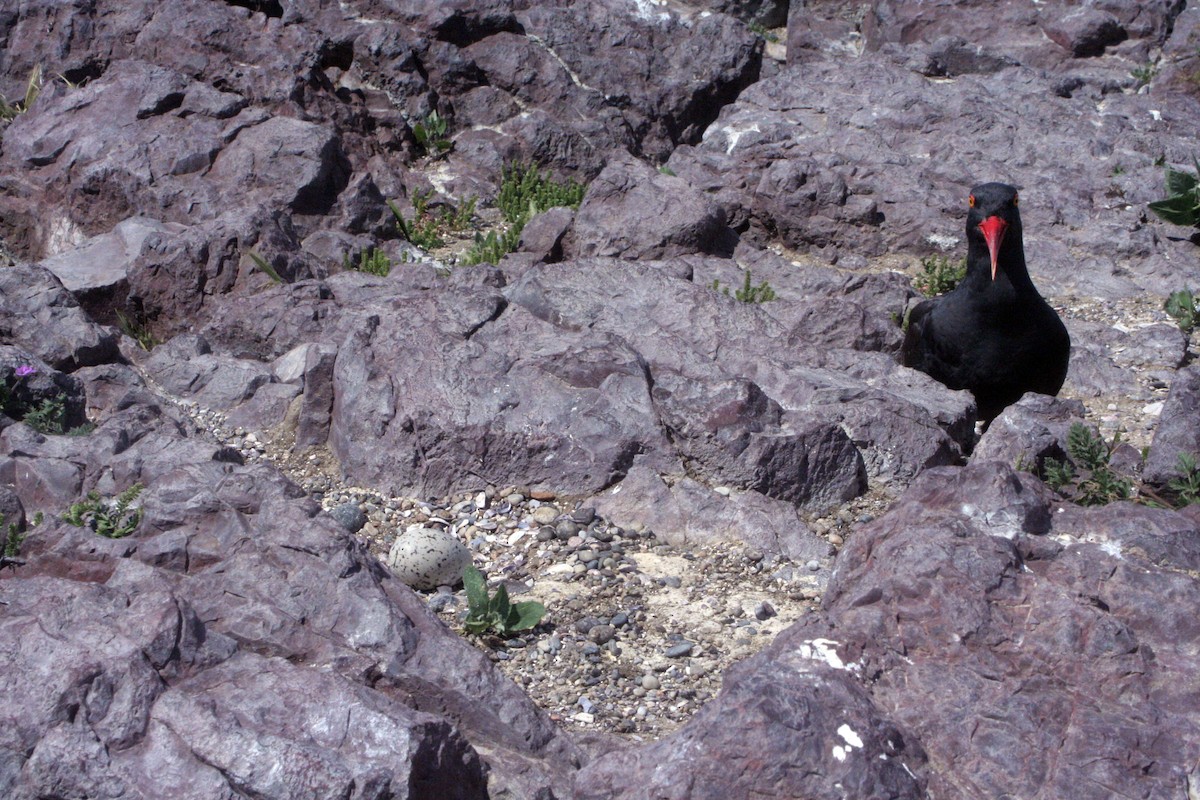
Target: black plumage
<point>993,334</point>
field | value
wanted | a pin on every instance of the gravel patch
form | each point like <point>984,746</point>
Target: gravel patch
<point>637,633</point>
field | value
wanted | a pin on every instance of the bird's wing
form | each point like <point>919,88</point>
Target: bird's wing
<point>914,351</point>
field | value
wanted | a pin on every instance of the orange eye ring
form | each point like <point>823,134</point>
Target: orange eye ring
<point>1015,199</point>
<point>970,201</point>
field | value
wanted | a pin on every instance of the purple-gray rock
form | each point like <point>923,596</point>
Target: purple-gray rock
<point>827,159</point>
<point>1029,431</point>
<point>975,626</point>
<point>981,639</point>
<point>231,607</point>
<point>799,728</point>
<point>1036,619</point>
<point>613,221</point>
<point>46,320</point>
<point>686,513</point>
<point>1085,31</point>
<point>1177,432</point>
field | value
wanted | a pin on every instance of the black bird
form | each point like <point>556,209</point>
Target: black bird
<point>993,334</point>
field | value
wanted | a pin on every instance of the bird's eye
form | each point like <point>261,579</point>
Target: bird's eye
<point>1015,199</point>
<point>971,200</point>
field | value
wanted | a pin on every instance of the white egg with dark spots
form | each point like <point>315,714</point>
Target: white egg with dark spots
<point>425,558</point>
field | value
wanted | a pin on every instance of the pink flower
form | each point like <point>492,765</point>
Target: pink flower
<point>25,370</point>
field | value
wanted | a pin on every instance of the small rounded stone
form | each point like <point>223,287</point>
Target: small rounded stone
<point>602,634</point>
<point>350,516</point>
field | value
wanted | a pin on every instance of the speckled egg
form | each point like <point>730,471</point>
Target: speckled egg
<point>425,558</point>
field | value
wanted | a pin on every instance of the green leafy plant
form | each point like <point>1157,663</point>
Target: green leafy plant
<point>496,613</point>
<point>1087,478</point>
<point>524,193</point>
<point>113,518</point>
<point>491,248</point>
<point>665,170</point>
<point>13,538</point>
<point>48,417</point>
<point>138,331</point>
<point>1143,75</point>
<point>1181,306</point>
<point>431,134</point>
<point>748,293</point>
<point>33,87</point>
<point>265,266</point>
<point>939,275</point>
<point>1186,487</point>
<point>758,29</point>
<point>372,261</point>
<point>1182,203</point>
<point>422,231</point>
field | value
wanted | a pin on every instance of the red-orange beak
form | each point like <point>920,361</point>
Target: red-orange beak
<point>993,229</point>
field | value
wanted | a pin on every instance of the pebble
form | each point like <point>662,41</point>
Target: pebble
<point>544,515</point>
<point>602,634</point>
<point>650,682</point>
<point>679,650</point>
<point>583,516</point>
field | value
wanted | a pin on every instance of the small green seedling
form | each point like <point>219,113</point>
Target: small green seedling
<point>112,518</point>
<point>748,293</point>
<point>138,331</point>
<point>1182,203</point>
<point>939,275</point>
<point>48,417</point>
<point>496,614</point>
<point>1181,306</point>
<point>431,134</point>
<point>1143,75</point>
<point>12,540</point>
<point>1187,486</point>
<point>33,87</point>
<point>1087,479</point>
<point>491,248</point>
<point>373,261</point>
<point>524,193</point>
<point>265,266</point>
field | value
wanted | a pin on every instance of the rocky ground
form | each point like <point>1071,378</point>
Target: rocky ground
<point>637,632</point>
<point>775,562</point>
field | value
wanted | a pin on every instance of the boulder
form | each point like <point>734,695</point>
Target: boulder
<point>45,320</point>
<point>1085,32</point>
<point>1030,431</point>
<point>612,219</point>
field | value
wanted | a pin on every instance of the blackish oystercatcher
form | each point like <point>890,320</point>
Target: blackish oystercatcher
<point>994,334</point>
